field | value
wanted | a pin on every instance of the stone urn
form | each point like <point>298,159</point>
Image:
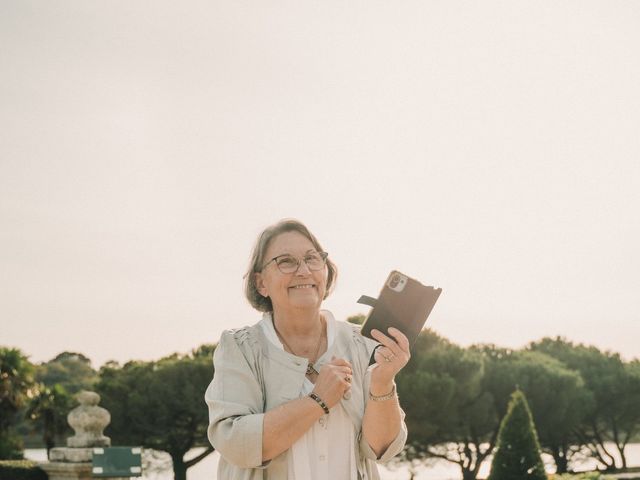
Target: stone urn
<point>88,420</point>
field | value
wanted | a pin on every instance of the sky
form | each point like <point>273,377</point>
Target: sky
<point>489,148</point>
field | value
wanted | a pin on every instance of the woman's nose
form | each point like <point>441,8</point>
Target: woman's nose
<point>303,268</point>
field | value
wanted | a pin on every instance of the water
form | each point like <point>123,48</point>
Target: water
<point>159,466</point>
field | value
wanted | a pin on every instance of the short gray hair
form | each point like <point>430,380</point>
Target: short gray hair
<point>257,301</point>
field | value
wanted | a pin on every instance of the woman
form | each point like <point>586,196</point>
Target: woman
<point>294,397</point>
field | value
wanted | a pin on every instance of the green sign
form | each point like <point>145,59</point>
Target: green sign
<point>117,462</point>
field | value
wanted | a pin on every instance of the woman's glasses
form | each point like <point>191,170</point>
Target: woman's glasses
<point>289,264</point>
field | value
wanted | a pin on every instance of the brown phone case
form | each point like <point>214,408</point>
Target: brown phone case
<point>404,303</point>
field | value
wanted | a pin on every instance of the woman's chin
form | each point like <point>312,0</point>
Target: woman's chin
<point>306,304</point>
<point>306,301</point>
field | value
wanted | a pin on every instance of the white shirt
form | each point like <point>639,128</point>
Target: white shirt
<point>326,450</point>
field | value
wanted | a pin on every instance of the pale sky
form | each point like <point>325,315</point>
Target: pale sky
<point>489,148</point>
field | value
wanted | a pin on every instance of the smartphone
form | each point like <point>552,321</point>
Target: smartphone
<point>404,303</point>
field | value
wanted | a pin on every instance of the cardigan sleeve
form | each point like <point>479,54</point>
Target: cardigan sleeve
<point>398,443</point>
<point>235,401</point>
<point>392,450</point>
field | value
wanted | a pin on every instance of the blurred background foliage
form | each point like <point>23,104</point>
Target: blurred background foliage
<point>583,401</point>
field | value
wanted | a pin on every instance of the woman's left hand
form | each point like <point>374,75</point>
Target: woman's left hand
<point>391,357</point>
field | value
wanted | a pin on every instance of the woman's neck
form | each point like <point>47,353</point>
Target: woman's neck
<point>298,324</point>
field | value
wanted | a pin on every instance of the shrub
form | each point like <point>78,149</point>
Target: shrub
<point>11,447</point>
<point>581,476</point>
<point>21,470</point>
<point>517,456</point>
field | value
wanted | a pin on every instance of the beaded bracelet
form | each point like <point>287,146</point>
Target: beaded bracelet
<point>320,402</point>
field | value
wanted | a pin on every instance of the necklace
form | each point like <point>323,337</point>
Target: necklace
<point>310,367</point>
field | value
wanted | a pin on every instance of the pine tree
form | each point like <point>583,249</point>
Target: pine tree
<point>517,456</point>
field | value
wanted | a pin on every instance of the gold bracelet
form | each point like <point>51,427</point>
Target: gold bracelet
<point>382,398</point>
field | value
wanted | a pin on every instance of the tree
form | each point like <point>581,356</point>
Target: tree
<point>517,455</point>
<point>70,370</point>
<point>357,319</point>
<point>613,414</point>
<point>557,396</point>
<point>16,387</point>
<point>49,409</point>
<point>160,404</point>
<point>59,380</point>
<point>448,415</point>
<point>559,402</point>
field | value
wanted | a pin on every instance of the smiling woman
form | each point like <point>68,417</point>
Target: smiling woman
<point>260,259</point>
<point>294,396</point>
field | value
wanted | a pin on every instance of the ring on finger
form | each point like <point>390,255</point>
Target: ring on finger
<point>347,378</point>
<point>391,357</point>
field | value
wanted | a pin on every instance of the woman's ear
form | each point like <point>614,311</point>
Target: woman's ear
<point>262,289</point>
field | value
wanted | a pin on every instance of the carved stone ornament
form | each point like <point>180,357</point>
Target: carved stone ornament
<point>88,420</point>
<point>73,462</point>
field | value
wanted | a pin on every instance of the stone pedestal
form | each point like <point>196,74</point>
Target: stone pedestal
<point>73,462</point>
<point>67,470</point>
<point>71,455</point>
<point>71,471</point>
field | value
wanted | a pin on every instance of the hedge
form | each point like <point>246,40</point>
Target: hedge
<point>582,476</point>
<point>21,470</point>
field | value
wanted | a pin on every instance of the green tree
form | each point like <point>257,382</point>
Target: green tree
<point>357,319</point>
<point>613,414</point>
<point>449,416</point>
<point>160,404</point>
<point>71,370</point>
<point>48,409</point>
<point>517,455</point>
<point>16,387</point>
<point>59,379</point>
<point>556,395</point>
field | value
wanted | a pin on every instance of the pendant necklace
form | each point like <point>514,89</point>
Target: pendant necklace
<point>310,367</point>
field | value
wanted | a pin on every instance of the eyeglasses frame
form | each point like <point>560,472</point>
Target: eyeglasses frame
<point>323,255</point>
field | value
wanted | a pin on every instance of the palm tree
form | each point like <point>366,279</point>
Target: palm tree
<point>16,387</point>
<point>50,408</point>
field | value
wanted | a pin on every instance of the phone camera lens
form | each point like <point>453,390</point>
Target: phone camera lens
<point>395,280</point>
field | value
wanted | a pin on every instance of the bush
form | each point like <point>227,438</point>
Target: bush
<point>21,470</point>
<point>581,476</point>
<point>518,453</point>
<point>11,447</point>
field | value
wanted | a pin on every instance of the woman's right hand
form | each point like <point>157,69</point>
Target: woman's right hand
<point>333,381</point>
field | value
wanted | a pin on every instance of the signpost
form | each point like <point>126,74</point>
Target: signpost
<point>117,462</point>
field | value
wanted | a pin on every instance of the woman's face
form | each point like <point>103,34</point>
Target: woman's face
<point>302,289</point>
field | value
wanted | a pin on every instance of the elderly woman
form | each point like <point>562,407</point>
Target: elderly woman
<point>294,396</point>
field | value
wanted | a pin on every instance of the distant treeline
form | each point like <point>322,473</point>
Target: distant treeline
<point>583,400</point>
